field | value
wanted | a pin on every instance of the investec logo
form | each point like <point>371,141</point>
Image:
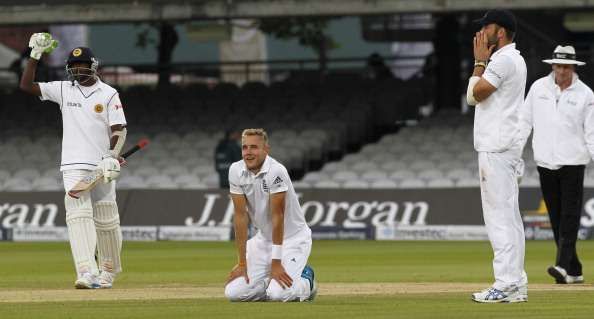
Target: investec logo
<point>326,214</point>
<point>21,215</point>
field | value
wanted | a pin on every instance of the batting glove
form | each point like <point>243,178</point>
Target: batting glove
<point>110,167</point>
<point>41,43</point>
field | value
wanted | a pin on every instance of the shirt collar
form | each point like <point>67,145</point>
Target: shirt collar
<point>90,89</point>
<point>574,80</point>
<point>264,169</point>
<point>511,46</point>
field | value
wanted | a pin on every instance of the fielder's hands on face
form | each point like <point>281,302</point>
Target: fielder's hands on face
<point>482,50</point>
<point>41,43</point>
<point>111,169</point>
<point>236,272</point>
<point>278,273</point>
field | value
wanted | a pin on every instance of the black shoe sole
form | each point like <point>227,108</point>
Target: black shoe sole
<point>559,278</point>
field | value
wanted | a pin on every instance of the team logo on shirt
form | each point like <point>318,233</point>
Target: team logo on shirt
<point>265,186</point>
<point>76,52</point>
<point>98,108</point>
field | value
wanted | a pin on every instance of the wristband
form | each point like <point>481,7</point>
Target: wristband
<point>480,63</point>
<point>277,251</point>
<point>470,91</point>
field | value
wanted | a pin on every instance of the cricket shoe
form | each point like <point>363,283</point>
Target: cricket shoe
<point>308,273</point>
<point>86,281</point>
<point>574,279</point>
<point>561,276</point>
<point>511,294</point>
<point>106,279</point>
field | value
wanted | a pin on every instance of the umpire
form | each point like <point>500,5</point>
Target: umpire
<point>560,109</point>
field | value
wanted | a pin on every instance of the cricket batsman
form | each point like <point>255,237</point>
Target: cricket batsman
<point>94,131</point>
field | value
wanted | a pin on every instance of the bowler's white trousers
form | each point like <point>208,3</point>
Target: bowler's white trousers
<point>499,174</point>
<point>296,250</point>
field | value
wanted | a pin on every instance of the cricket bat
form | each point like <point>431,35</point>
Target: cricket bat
<point>95,176</point>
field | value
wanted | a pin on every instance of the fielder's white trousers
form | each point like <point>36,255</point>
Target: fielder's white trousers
<point>296,250</point>
<point>499,173</point>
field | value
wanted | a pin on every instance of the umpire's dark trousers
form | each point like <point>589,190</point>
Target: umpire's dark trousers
<point>562,191</point>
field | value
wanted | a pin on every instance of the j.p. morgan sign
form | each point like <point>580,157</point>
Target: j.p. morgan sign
<point>336,208</point>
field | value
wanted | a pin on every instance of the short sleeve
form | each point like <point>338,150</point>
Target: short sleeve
<point>498,70</point>
<point>234,185</point>
<point>51,91</point>
<point>279,181</point>
<point>115,111</point>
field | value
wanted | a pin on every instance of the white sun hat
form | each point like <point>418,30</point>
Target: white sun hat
<point>564,55</point>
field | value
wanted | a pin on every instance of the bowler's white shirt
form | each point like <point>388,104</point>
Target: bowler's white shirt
<point>496,119</point>
<point>87,116</point>
<point>257,188</point>
<point>563,122</point>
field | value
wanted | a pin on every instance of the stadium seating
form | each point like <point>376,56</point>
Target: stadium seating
<point>323,134</point>
<point>436,153</point>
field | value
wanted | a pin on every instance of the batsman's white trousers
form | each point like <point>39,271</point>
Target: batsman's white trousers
<point>81,223</point>
<point>499,174</point>
<point>101,192</point>
<point>296,251</point>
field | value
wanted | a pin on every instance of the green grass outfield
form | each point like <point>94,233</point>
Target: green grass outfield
<point>156,273</point>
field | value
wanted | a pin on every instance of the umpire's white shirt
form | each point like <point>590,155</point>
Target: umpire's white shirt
<point>563,122</point>
<point>272,178</point>
<point>87,116</point>
<point>496,120</point>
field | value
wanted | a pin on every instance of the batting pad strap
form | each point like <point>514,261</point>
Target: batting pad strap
<point>117,149</point>
<point>77,206</point>
<point>106,215</point>
<point>470,91</point>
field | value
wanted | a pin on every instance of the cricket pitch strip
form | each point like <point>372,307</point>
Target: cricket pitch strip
<point>188,292</point>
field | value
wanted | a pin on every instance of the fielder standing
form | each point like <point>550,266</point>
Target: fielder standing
<point>93,135</point>
<point>560,108</point>
<point>497,89</point>
<point>272,265</point>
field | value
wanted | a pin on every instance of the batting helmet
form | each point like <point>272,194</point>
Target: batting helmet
<point>81,55</point>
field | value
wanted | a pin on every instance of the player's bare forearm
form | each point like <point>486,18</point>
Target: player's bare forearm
<point>478,71</point>
<point>240,223</point>
<point>28,77</point>
<point>277,207</point>
<point>241,234</point>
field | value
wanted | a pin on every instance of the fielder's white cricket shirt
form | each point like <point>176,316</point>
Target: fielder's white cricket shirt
<point>272,178</point>
<point>563,122</point>
<point>87,116</point>
<point>496,119</point>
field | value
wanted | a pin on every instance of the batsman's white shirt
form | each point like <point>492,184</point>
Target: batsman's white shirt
<point>257,188</point>
<point>87,116</point>
<point>496,119</point>
<point>563,122</point>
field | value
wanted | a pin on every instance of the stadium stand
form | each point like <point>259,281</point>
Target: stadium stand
<point>324,137</point>
<point>437,153</point>
<point>309,126</point>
